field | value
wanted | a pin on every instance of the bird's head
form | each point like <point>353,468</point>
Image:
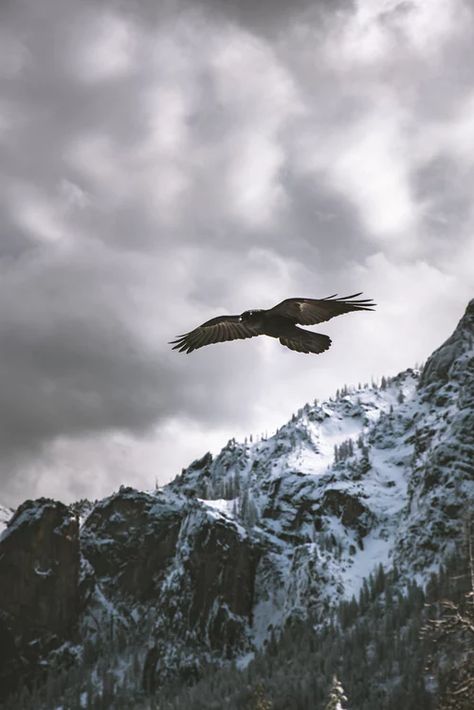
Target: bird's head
<point>247,316</point>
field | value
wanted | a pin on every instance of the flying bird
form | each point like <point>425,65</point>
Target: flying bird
<point>277,322</point>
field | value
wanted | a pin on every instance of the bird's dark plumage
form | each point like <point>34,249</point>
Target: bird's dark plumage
<point>278,322</point>
<point>216,330</point>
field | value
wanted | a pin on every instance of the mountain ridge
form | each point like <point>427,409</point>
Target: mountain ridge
<point>210,567</point>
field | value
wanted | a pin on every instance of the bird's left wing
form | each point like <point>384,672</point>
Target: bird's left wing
<point>309,311</point>
<point>216,330</point>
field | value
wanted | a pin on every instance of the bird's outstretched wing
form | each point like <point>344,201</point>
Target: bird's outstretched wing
<point>308,311</point>
<point>216,330</point>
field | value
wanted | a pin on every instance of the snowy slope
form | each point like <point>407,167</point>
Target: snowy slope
<point>326,524</point>
<point>379,475</point>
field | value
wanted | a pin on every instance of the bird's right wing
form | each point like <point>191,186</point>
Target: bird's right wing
<point>216,330</point>
<point>309,311</point>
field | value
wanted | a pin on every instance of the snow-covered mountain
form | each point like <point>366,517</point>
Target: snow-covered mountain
<point>212,565</point>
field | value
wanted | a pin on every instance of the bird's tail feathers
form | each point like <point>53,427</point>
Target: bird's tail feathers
<point>305,341</point>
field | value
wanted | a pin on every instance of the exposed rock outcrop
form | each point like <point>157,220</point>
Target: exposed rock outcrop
<point>129,540</point>
<point>39,574</point>
<point>451,361</point>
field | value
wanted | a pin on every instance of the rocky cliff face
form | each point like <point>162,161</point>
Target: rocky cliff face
<point>39,590</point>
<point>451,363</point>
<point>441,485</point>
<point>209,567</point>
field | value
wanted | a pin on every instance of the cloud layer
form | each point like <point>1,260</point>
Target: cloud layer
<point>163,167</point>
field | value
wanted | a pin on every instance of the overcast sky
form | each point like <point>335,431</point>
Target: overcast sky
<point>161,167</point>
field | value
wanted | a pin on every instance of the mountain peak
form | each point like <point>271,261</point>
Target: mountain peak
<point>451,359</point>
<point>470,308</point>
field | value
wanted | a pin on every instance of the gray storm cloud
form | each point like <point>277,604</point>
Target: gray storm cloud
<point>163,166</point>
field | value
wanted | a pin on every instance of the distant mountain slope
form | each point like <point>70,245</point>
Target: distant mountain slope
<point>213,565</point>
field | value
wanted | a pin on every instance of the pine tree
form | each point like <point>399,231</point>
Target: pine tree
<point>336,696</point>
<point>260,700</point>
<point>364,463</point>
